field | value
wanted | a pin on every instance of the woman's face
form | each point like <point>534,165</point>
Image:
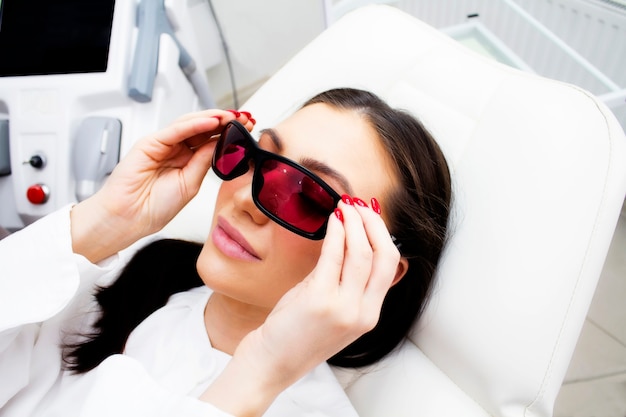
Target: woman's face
<point>252,259</point>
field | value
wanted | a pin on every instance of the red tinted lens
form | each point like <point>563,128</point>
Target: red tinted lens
<point>231,151</point>
<point>294,197</point>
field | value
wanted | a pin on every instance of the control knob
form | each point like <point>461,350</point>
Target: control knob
<point>37,161</point>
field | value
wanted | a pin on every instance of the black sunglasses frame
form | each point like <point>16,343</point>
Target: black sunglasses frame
<point>257,155</point>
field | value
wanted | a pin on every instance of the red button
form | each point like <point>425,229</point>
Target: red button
<point>38,193</point>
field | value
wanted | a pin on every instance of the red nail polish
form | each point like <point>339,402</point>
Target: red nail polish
<point>246,113</point>
<point>235,112</point>
<point>347,199</point>
<point>217,117</point>
<point>375,205</point>
<point>339,215</point>
<point>359,202</point>
<point>252,120</point>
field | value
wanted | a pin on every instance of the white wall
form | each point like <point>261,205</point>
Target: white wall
<point>262,36</point>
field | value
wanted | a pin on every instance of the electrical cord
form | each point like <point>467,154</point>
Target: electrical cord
<point>226,55</point>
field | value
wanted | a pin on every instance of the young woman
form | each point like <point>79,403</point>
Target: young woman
<point>324,241</point>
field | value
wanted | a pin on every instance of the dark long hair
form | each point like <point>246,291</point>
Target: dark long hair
<point>418,210</point>
<point>155,272</point>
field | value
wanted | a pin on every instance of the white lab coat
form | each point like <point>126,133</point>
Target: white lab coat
<point>45,295</point>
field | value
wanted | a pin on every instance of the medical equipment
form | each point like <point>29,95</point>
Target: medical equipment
<point>80,81</point>
<point>152,21</point>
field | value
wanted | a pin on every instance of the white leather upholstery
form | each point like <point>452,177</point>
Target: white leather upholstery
<point>539,171</point>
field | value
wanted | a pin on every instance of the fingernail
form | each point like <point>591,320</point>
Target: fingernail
<point>252,120</point>
<point>359,202</point>
<point>217,117</point>
<point>235,112</point>
<point>246,113</point>
<point>375,205</point>
<point>347,199</point>
<point>339,215</point>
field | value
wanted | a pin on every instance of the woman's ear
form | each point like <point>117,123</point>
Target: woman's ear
<point>403,266</point>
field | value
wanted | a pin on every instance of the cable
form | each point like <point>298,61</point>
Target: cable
<point>195,78</point>
<point>226,55</point>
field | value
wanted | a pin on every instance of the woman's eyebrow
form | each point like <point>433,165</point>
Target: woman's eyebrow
<point>278,143</point>
<point>312,164</point>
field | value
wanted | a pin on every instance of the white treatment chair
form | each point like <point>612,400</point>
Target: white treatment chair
<point>539,171</point>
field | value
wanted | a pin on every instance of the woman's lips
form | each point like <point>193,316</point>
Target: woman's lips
<point>232,243</point>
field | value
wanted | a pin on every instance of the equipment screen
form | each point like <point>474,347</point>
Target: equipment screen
<point>39,37</point>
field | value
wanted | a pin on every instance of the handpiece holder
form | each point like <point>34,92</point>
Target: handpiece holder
<point>95,153</point>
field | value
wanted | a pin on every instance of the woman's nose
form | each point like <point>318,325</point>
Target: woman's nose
<point>243,200</point>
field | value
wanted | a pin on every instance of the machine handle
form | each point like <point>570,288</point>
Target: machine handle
<point>5,159</point>
<point>152,21</point>
<point>149,23</point>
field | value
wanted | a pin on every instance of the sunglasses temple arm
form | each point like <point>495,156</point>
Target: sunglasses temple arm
<point>395,242</point>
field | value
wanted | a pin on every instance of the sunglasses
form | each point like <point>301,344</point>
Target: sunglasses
<point>283,190</point>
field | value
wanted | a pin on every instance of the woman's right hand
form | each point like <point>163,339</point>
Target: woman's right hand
<point>150,185</point>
